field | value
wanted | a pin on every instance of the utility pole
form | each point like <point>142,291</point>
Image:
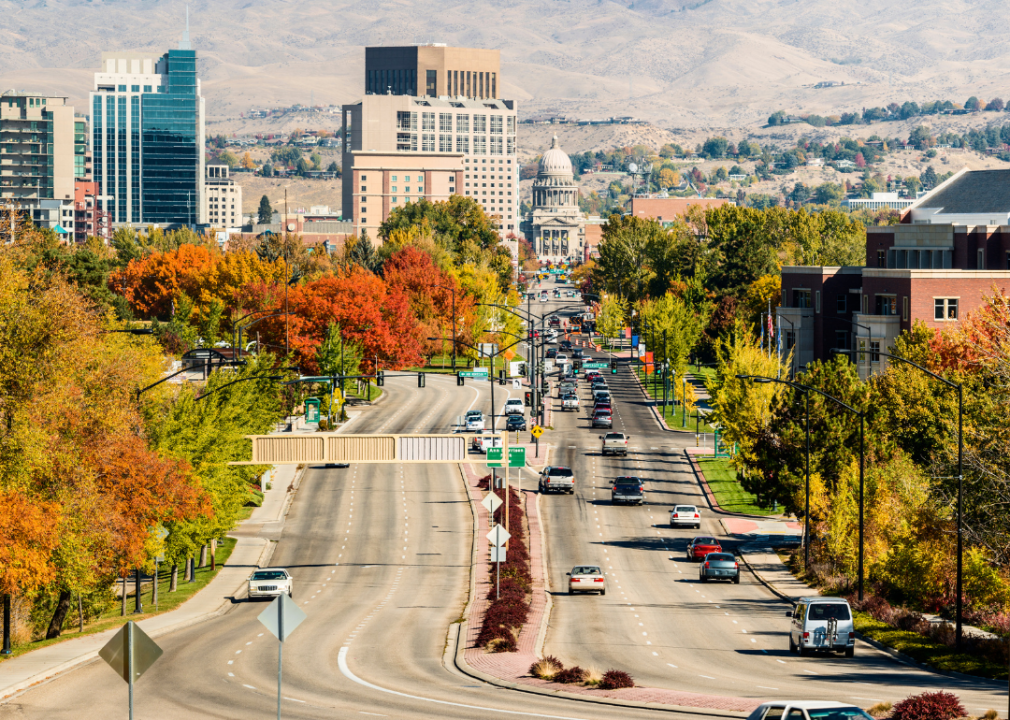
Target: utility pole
<point>286,275</point>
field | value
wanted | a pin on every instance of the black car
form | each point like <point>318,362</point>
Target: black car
<point>515,422</point>
<point>552,353</point>
<point>627,490</point>
<point>567,345</point>
<point>578,354</point>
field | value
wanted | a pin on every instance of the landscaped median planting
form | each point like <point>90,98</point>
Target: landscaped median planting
<point>509,602</point>
<point>553,670</point>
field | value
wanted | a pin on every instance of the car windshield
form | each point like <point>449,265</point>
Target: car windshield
<point>561,472</point>
<point>720,557</point>
<point>705,541</point>
<point>473,413</point>
<point>602,413</point>
<point>828,611</point>
<point>269,575</point>
<point>685,508</point>
<point>627,481</point>
<point>615,436</point>
<point>587,570</point>
<point>842,713</point>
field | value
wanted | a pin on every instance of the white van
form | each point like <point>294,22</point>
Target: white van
<point>822,624</point>
<point>807,710</point>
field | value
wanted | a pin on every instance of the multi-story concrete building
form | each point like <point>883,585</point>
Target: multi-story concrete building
<point>952,246</point>
<point>467,146</point>
<point>433,70</point>
<point>147,124</point>
<point>37,157</point>
<point>222,197</point>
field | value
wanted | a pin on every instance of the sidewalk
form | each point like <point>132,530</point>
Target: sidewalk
<point>253,549</point>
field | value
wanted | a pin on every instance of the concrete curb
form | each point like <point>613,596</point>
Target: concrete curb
<point>538,645</point>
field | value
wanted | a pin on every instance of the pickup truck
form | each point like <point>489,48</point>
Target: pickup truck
<point>570,402</point>
<point>482,442</point>
<point>557,479</point>
<point>615,443</point>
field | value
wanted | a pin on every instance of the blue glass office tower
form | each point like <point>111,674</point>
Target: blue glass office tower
<point>147,120</point>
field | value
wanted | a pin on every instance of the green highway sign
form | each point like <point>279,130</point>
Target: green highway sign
<point>494,457</point>
<point>517,457</point>
<point>474,373</point>
<point>594,365</point>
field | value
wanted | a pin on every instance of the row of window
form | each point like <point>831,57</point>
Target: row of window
<point>884,304</point>
<point>927,259</point>
<point>407,121</point>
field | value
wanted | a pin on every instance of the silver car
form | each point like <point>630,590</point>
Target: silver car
<point>587,578</point>
<point>270,582</point>
<point>719,566</point>
<point>685,516</point>
<point>822,624</point>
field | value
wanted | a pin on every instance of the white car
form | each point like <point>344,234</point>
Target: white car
<point>514,406</point>
<point>561,359</point>
<point>813,709</point>
<point>474,421</point>
<point>587,578</point>
<point>270,582</point>
<point>685,516</point>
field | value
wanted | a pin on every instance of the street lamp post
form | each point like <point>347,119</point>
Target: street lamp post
<point>862,457</point>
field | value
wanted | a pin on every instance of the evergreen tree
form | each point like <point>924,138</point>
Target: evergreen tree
<point>266,213</point>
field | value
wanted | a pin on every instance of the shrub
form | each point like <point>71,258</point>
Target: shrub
<point>502,644</point>
<point>880,710</point>
<point>593,677</point>
<point>546,668</point>
<point>929,706</point>
<point>571,675</point>
<point>616,679</point>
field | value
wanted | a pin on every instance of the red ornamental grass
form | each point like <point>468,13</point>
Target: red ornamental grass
<point>929,706</point>
<point>616,679</point>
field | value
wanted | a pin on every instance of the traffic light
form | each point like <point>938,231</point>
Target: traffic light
<point>522,369</point>
<point>613,367</point>
<point>460,380</point>
<point>501,377</point>
<point>528,398</point>
<point>380,378</point>
<point>420,379</point>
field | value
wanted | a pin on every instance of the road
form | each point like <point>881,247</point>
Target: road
<point>381,560</point>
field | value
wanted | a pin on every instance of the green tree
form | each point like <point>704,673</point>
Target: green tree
<point>265,213</point>
<point>929,178</point>
<point>623,267</point>
<point>677,326</point>
<point>715,147</point>
<point>317,161</point>
<point>742,247</point>
<point>228,159</point>
<point>337,356</point>
<point>828,194</point>
<point>611,320</point>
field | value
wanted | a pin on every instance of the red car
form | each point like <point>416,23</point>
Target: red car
<point>701,546</point>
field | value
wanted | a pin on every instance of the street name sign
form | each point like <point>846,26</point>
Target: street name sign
<point>594,365</point>
<point>480,373</point>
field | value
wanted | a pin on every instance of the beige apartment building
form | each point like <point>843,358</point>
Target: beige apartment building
<point>37,157</point>
<point>433,70</point>
<point>222,197</point>
<point>468,146</point>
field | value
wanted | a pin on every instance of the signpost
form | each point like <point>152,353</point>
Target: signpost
<point>594,365</point>
<point>498,537</point>
<point>130,653</point>
<point>281,618</point>
<point>537,431</point>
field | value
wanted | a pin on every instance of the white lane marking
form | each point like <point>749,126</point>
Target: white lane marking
<point>231,674</point>
<point>811,672</point>
<point>765,687</point>
<point>293,699</point>
<point>655,653</point>
<point>781,661</point>
<point>346,671</point>
<point>671,665</point>
<point>707,676</point>
<point>249,686</point>
<point>231,662</point>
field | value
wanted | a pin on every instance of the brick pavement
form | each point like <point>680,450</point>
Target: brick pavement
<point>514,667</point>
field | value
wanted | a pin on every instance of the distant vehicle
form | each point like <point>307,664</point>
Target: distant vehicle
<point>615,443</point>
<point>701,546</point>
<point>554,321</point>
<point>569,401</point>
<point>482,442</point>
<point>719,566</point>
<point>627,490</point>
<point>685,516</point>
<point>270,582</point>
<point>474,421</point>
<point>813,709</point>
<point>601,395</point>
<point>552,353</point>
<point>561,358</point>
<point>577,353</point>
<point>602,418</point>
<point>557,479</point>
<point>586,578</point>
<point>557,293</point>
<point>822,624</point>
<point>514,423</point>
<point>514,406</point>
<point>544,296</point>
<point>567,345</point>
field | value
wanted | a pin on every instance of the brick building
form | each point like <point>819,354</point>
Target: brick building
<point>952,246</point>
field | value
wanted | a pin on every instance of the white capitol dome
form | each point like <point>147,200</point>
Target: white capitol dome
<point>555,161</point>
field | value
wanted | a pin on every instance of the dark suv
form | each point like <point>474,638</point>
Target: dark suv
<point>515,422</point>
<point>627,490</point>
<point>566,345</point>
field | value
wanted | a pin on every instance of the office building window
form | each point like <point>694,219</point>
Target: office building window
<point>874,351</point>
<point>135,88</point>
<point>801,298</point>
<point>842,304</point>
<point>428,121</point>
<point>463,144</point>
<point>496,124</point>
<point>406,120</point>
<point>428,142</point>
<point>817,301</point>
<point>403,141</point>
<point>480,145</point>
<point>494,85</point>
<point>445,143</point>
<point>981,259</point>
<point>881,258</point>
<point>790,340</point>
<point>841,339</point>
<point>480,123</point>
<point>122,88</point>
<point>944,309</point>
<point>887,305</point>
<point>431,80</point>
<point>904,308</point>
<point>147,88</point>
<point>511,147</point>
<point>445,122</point>
<point>511,123</point>
<point>496,145</point>
<point>463,126</point>
<point>480,85</point>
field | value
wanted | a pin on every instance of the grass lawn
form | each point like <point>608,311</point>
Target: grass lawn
<point>705,374</point>
<point>721,478</point>
<point>166,601</point>
<point>925,650</point>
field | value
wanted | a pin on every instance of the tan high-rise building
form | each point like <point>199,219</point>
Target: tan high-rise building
<point>37,157</point>
<point>433,71</point>
<point>222,197</point>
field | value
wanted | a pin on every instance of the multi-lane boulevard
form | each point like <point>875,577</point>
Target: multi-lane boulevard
<point>381,560</point>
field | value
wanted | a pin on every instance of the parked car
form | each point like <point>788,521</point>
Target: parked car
<point>587,578</point>
<point>270,582</point>
<point>701,546</point>
<point>807,709</point>
<point>474,421</point>
<point>615,443</point>
<point>685,516</point>
<point>822,624</point>
<point>602,418</point>
<point>514,406</point>
<point>627,490</point>
<point>557,479</point>
<point>719,566</point>
<point>515,422</point>
<point>569,401</point>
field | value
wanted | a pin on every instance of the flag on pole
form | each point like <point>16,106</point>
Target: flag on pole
<point>771,327</point>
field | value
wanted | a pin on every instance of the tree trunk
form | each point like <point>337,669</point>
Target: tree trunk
<point>122,611</point>
<point>62,608</point>
<point>80,614</point>
<point>203,556</point>
<point>213,555</point>
<point>174,582</point>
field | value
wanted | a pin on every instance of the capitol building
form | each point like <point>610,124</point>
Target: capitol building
<point>556,227</point>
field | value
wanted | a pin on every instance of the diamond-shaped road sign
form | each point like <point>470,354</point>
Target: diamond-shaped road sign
<point>281,617</point>
<point>117,651</point>
<point>498,536</point>
<point>491,503</point>
<point>536,431</point>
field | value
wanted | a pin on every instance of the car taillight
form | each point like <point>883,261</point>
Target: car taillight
<point>598,580</point>
<point>851,635</point>
<point>675,516</point>
<point>697,515</point>
<point>806,635</point>
<point>706,563</point>
<point>736,566</point>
